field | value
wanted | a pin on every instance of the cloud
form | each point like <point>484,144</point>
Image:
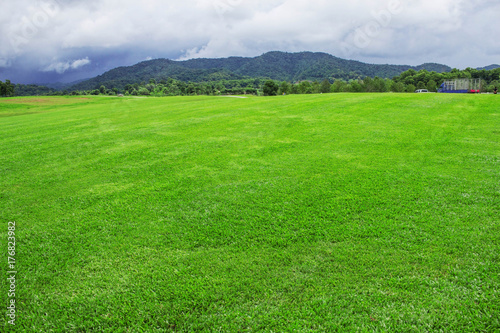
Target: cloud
<point>36,33</point>
<point>79,63</point>
<point>4,62</point>
<point>61,67</point>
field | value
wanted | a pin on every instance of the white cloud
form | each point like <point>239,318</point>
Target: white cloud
<point>80,63</point>
<point>61,67</point>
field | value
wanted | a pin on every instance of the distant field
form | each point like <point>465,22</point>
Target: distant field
<point>310,213</point>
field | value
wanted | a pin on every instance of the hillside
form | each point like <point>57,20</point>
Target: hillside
<point>489,68</point>
<point>275,65</point>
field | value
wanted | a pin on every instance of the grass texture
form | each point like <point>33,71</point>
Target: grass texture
<point>310,213</point>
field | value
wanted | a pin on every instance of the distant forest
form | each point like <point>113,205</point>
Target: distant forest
<point>269,74</point>
<point>408,81</point>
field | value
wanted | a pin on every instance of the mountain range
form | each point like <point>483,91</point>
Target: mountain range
<point>275,65</point>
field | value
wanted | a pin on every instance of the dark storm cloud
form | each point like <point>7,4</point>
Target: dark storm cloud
<point>65,40</point>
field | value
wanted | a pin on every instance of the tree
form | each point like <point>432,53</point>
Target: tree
<point>270,88</point>
<point>285,88</point>
<point>410,88</point>
<point>409,80</point>
<point>379,85</point>
<point>408,73</point>
<point>10,88</point>
<point>368,84</point>
<point>6,88</point>
<point>190,90</point>
<point>325,86</point>
<point>315,87</point>
<point>421,78</point>
<point>102,89</point>
<point>338,86</point>
<point>356,87</point>
<point>421,85</point>
<point>397,87</point>
<point>432,86</point>
<point>347,88</point>
<point>305,87</point>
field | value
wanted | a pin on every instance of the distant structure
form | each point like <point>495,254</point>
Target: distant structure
<point>461,86</point>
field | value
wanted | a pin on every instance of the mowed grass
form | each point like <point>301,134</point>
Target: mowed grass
<point>318,213</point>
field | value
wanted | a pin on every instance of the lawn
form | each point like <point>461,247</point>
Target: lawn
<point>310,213</point>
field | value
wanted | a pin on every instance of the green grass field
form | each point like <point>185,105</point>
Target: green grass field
<point>310,213</point>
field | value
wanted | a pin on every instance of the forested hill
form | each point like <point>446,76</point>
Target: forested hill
<point>490,67</point>
<point>281,66</point>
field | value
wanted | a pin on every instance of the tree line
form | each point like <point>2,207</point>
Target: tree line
<point>7,89</point>
<point>407,81</point>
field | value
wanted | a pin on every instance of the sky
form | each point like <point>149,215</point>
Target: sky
<point>44,41</point>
